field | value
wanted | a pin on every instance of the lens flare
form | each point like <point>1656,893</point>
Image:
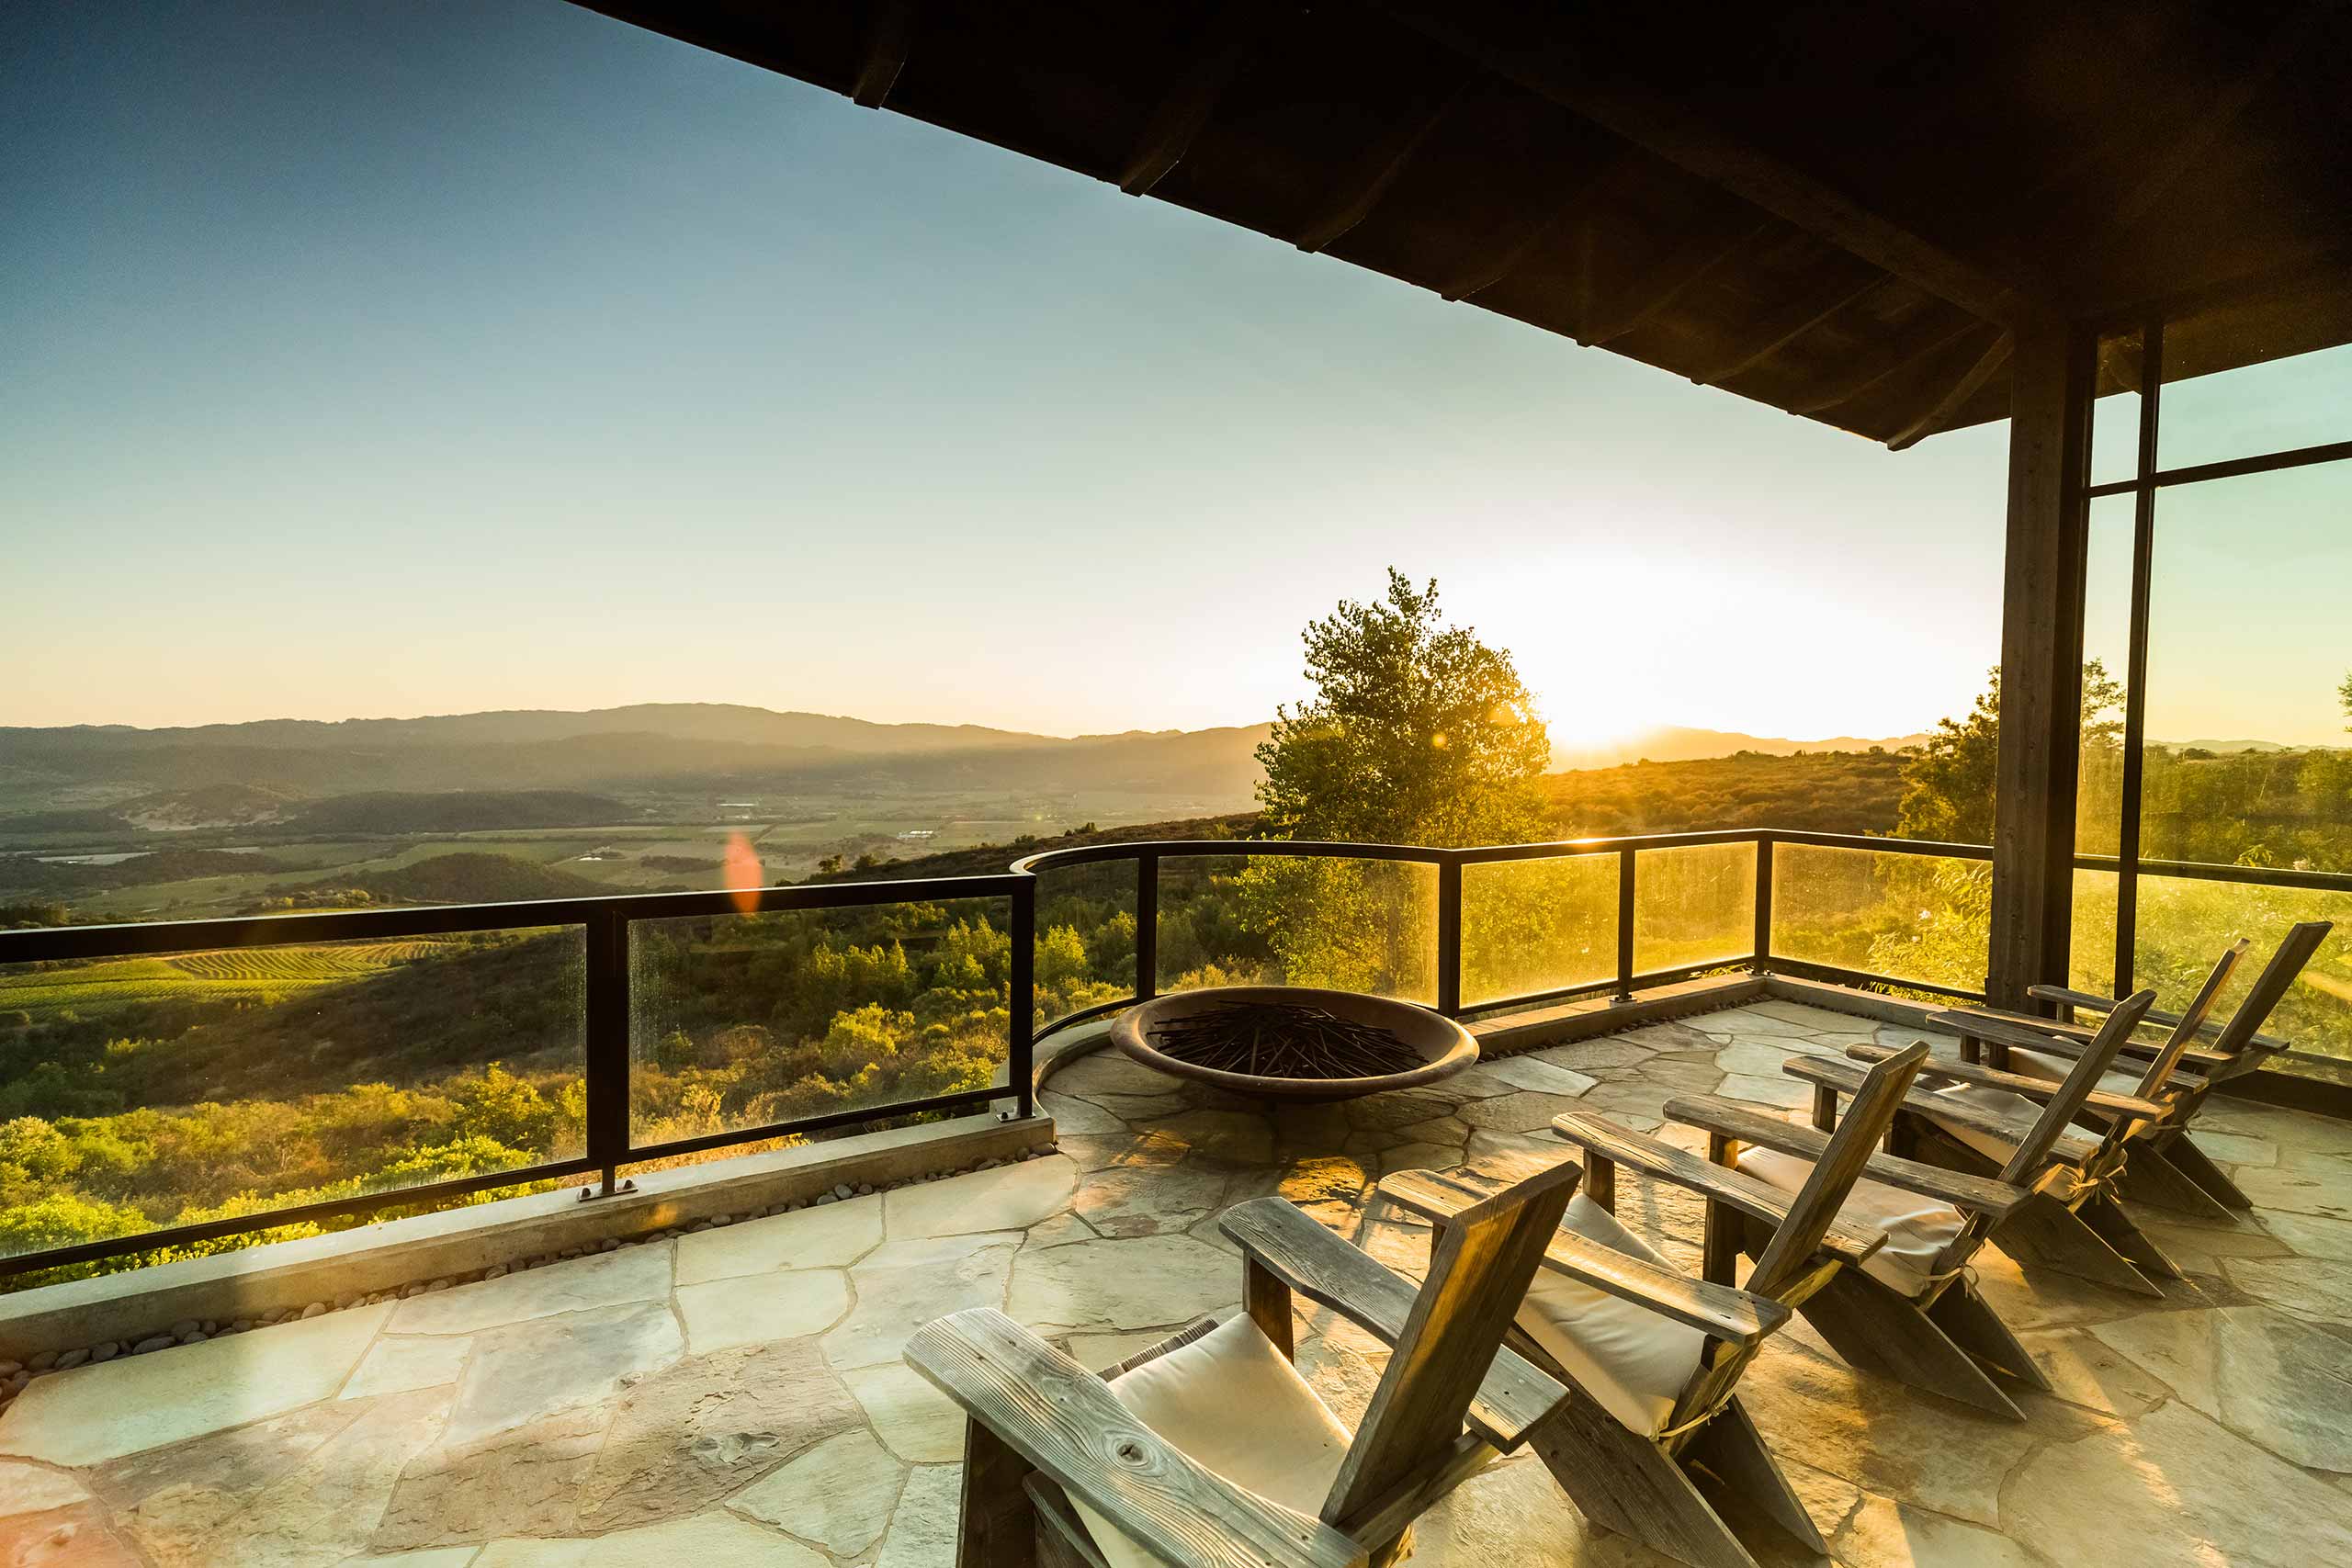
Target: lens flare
<point>740,872</point>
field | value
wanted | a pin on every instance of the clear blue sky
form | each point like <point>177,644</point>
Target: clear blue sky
<point>402,357</point>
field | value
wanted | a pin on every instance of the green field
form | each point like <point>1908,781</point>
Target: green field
<point>267,974</point>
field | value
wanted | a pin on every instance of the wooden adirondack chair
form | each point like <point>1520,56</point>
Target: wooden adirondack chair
<point>2166,1167</point>
<point>1210,1450</point>
<point>1990,1123</point>
<point>1651,1357</point>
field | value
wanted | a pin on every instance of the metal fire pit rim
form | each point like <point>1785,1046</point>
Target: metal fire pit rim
<point>1453,1049</point>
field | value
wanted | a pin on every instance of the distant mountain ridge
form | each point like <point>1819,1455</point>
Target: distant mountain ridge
<point>658,746</point>
<point>690,746</point>
<point>1676,744</point>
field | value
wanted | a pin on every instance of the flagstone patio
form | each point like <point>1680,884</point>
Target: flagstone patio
<point>735,1397</point>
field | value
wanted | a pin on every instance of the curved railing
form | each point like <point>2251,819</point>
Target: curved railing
<point>605,925</point>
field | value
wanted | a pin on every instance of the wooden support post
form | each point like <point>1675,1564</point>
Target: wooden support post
<point>2042,654</point>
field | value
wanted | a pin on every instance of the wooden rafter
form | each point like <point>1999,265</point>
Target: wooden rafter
<point>888,25</point>
<point>1673,277</point>
<point>2204,128</point>
<point>1540,221</point>
<point>1352,199</point>
<point>1909,357</point>
<point>1224,46</point>
<point>1954,397</point>
<point>1786,327</point>
<point>1585,82</point>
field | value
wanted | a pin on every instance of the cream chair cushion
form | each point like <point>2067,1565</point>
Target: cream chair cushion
<point>2053,1068</point>
<point>1632,1360</point>
<point>1918,1229</point>
<point>1235,1405</point>
<point>1985,1097</point>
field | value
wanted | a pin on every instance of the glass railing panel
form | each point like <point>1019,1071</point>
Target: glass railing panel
<point>1355,925</point>
<point>141,1093</point>
<point>743,1021</point>
<point>1694,905</point>
<point>1533,926</point>
<point>2091,958</point>
<point>1908,917</point>
<point>2183,923</point>
<point>1086,937</point>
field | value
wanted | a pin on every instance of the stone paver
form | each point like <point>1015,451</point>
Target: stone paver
<point>611,1278</point>
<point>826,1235</point>
<point>758,1307</point>
<point>104,1411</point>
<point>840,1494</point>
<point>521,1373</point>
<point>397,1364</point>
<point>1009,1198</point>
<point>737,1397</point>
<point>902,1285</point>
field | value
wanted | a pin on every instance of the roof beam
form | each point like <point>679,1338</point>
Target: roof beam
<point>1995,354</point>
<point>1373,173</point>
<point>1671,278</point>
<point>1223,47</point>
<point>888,24</point>
<point>1785,328</point>
<point>1581,81</point>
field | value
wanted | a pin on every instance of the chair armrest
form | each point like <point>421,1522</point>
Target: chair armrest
<point>1068,1423</point>
<point>2153,1018</point>
<point>1963,1190</point>
<point>1324,1268</point>
<point>2122,1107</point>
<point>1605,1139</point>
<point>1724,1310</point>
<point>2068,1039</point>
<point>2072,1147</point>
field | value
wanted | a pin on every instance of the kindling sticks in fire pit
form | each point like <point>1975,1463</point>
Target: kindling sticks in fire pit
<point>1288,1040</point>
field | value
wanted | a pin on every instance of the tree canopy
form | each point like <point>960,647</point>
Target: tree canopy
<point>1948,792</point>
<point>1417,732</point>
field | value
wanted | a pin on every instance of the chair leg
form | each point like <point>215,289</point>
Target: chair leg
<point>1733,1452</point>
<point>2183,1155</point>
<point>1970,1322</point>
<point>2121,1231</point>
<point>2150,1176</point>
<point>1877,1330</point>
<point>2043,1231</point>
<point>997,1525</point>
<point>1626,1482</point>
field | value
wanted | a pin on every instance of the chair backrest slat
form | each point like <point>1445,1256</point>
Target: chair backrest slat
<point>1788,1257</point>
<point>2270,986</point>
<point>2192,1023</point>
<point>2062,1106</point>
<point>1481,1263</point>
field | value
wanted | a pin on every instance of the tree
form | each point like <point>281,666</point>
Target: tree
<point>2344,697</point>
<point>1947,790</point>
<point>1416,733</point>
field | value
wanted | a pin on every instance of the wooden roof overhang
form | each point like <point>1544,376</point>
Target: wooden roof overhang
<point>1841,209</point>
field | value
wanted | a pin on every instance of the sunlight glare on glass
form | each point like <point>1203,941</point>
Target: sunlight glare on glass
<point>740,872</point>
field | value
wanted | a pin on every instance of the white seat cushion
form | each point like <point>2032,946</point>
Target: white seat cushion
<point>1633,1362</point>
<point>1918,1229</point>
<point>1235,1405</point>
<point>1987,1097</point>
<point>2053,1068</point>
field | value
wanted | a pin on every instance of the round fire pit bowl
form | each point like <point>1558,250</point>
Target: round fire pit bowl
<point>1444,1047</point>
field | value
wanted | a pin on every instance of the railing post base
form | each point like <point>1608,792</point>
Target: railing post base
<point>609,1187</point>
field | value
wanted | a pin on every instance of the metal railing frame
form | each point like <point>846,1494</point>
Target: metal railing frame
<point>606,924</point>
